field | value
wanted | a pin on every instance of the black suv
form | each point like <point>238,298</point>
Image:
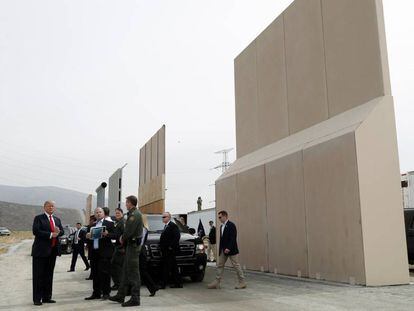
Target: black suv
<point>66,239</point>
<point>191,258</point>
<point>409,232</point>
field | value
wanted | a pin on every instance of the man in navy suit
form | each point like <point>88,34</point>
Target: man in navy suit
<point>101,254</point>
<point>227,250</point>
<point>47,229</point>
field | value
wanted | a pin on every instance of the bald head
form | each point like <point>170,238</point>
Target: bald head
<point>99,213</point>
<point>166,217</point>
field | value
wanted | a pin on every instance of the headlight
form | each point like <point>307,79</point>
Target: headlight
<point>200,249</point>
<point>63,241</point>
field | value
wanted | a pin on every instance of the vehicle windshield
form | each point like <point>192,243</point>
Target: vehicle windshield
<point>155,224</point>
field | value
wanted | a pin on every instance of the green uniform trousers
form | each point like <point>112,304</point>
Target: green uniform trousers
<point>130,272</point>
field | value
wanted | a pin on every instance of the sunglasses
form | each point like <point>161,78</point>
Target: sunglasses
<point>219,217</point>
<point>164,216</point>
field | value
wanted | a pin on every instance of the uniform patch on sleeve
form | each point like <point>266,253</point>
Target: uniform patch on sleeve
<point>132,218</point>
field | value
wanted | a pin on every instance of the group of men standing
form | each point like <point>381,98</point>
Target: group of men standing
<point>122,260</point>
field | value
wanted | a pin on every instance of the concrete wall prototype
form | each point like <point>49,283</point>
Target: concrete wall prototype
<point>115,190</point>
<point>88,208</point>
<point>151,191</point>
<point>315,187</point>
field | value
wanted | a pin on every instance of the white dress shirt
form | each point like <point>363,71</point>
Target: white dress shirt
<point>222,227</point>
<point>96,241</point>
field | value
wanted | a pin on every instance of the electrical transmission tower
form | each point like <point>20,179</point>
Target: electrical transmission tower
<point>225,164</point>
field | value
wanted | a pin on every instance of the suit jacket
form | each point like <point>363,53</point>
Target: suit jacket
<point>42,245</point>
<point>81,238</point>
<point>117,233</point>
<point>105,247</point>
<point>229,239</point>
<point>170,237</point>
<point>212,235</point>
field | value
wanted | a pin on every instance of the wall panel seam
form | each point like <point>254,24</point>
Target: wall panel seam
<point>305,212</point>
<point>286,72</point>
<point>325,62</point>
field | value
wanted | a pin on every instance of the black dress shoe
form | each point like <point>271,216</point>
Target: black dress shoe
<point>71,271</point>
<point>152,294</point>
<point>37,303</point>
<point>117,298</point>
<point>93,297</point>
<point>176,286</point>
<point>86,269</point>
<point>48,301</point>
<point>105,297</point>
<point>132,302</point>
<point>88,279</point>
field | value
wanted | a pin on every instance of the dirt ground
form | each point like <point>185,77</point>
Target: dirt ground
<point>15,237</point>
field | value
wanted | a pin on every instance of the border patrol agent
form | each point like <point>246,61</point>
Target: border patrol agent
<point>131,239</point>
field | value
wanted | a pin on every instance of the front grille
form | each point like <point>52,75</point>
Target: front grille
<point>186,250</point>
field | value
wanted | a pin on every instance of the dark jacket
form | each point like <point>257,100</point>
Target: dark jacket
<point>212,235</point>
<point>170,237</point>
<point>117,233</point>
<point>229,239</point>
<point>42,245</point>
<point>105,248</point>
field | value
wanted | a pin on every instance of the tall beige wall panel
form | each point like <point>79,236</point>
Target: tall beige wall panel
<point>355,53</point>
<point>315,189</point>
<point>246,97</point>
<point>251,200</point>
<point>286,213</point>
<point>333,211</point>
<point>380,196</point>
<point>305,63</point>
<point>272,106</point>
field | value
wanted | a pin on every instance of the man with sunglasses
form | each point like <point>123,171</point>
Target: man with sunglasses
<point>227,250</point>
<point>169,244</point>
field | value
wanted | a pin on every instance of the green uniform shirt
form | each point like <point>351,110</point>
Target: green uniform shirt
<point>133,225</point>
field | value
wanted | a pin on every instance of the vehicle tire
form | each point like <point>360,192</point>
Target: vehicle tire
<point>198,277</point>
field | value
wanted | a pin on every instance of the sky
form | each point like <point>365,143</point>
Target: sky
<point>84,84</point>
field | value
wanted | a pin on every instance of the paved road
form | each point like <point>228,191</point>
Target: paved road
<point>264,292</point>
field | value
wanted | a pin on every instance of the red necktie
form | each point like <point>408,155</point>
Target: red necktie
<point>52,228</point>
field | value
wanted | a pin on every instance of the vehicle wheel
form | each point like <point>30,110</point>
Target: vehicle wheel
<point>198,277</point>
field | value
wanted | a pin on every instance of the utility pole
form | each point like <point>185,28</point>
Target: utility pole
<point>225,164</point>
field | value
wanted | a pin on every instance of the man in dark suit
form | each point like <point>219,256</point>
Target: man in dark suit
<point>212,239</point>
<point>46,228</point>
<point>101,254</point>
<point>169,244</point>
<point>78,247</point>
<point>227,250</point>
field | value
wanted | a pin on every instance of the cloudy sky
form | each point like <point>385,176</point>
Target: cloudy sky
<point>84,84</point>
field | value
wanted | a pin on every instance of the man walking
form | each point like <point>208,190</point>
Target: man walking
<point>131,238</point>
<point>227,250</point>
<point>79,248</point>
<point>46,228</point>
<point>101,255</point>
<point>169,244</point>
<point>212,239</point>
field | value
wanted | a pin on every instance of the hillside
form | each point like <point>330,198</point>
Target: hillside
<point>20,216</point>
<point>64,198</point>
